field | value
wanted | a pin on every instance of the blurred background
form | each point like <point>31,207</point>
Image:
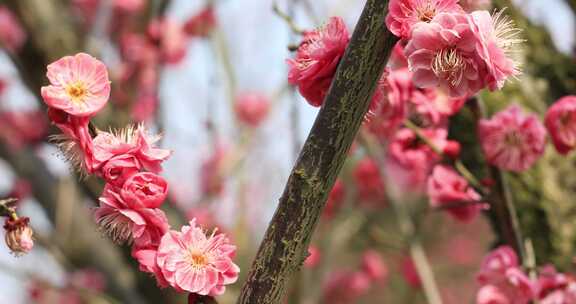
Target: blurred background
<point>211,76</point>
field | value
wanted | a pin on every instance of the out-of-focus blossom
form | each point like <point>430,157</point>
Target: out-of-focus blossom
<point>345,287</point>
<point>211,179</point>
<point>373,265</point>
<point>561,124</point>
<point>475,5</point>
<point>404,14</point>
<point>388,113</point>
<point>19,128</point>
<point>88,279</point>
<point>443,53</point>
<point>335,200</point>
<point>410,160</point>
<point>316,60</point>
<point>409,273</point>
<point>79,85</point>
<point>251,108</point>
<point>497,38</point>
<point>12,35</point>
<point>433,106</point>
<point>313,257</point>
<point>511,139</point>
<point>201,24</point>
<point>398,59</point>
<point>555,287</point>
<point>193,262</point>
<point>145,108</point>
<point>446,188</point>
<point>203,215</point>
<point>369,182</point>
<point>500,271</point>
<point>129,6</point>
<point>491,294</point>
<point>18,235</point>
<point>171,38</point>
<point>127,220</point>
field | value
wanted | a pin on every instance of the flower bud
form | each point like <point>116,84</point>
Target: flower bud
<point>452,149</point>
<point>18,235</point>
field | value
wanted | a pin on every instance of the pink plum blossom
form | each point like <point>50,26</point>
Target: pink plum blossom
<point>443,53</point>
<point>313,257</point>
<point>447,188</point>
<point>373,265</point>
<point>118,168</point>
<point>404,14</point>
<point>201,24</point>
<point>495,264</point>
<point>145,189</point>
<point>560,121</point>
<point>126,220</point>
<point>79,85</point>
<point>171,38</point>
<point>369,182</point>
<point>496,40</point>
<point>316,60</point>
<point>251,108</point>
<point>511,139</point>
<point>193,262</point>
<point>12,35</point>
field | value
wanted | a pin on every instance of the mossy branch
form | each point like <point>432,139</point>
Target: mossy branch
<point>285,243</point>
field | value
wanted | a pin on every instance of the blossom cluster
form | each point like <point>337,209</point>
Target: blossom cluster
<point>129,161</point>
<point>503,280</point>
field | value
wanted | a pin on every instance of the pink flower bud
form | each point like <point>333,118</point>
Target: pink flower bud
<point>145,189</point>
<point>18,235</point>
<point>452,149</point>
<point>252,108</point>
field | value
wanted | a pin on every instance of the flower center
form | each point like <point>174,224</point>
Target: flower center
<point>449,64</point>
<point>426,11</point>
<point>77,91</point>
<point>513,139</point>
<point>197,259</point>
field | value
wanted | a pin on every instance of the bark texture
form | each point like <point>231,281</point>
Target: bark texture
<point>285,243</point>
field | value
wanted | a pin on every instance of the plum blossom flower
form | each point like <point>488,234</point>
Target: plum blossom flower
<point>171,38</point>
<point>497,41</point>
<point>446,187</point>
<point>79,85</point>
<point>313,257</point>
<point>251,108</point>
<point>389,112</point>
<point>136,141</point>
<point>145,189</point>
<point>443,53</point>
<point>193,262</point>
<point>317,59</point>
<point>116,170</point>
<point>201,24</point>
<point>373,265</point>
<point>555,287</point>
<point>512,140</point>
<point>560,121</point>
<point>18,235</point>
<point>12,35</point>
<point>126,220</point>
<point>345,286</point>
<point>146,257</point>
<point>404,14</point>
<point>369,182</point>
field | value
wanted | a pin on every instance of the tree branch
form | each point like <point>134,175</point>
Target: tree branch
<point>283,249</point>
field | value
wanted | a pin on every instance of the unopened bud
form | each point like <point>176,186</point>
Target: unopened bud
<point>19,235</point>
<point>452,149</point>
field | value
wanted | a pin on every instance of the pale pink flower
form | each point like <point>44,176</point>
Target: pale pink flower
<point>313,257</point>
<point>196,263</point>
<point>511,139</point>
<point>251,108</point>
<point>18,235</point>
<point>443,53</point>
<point>448,189</point>
<point>118,168</point>
<point>79,85</point>
<point>146,257</point>
<point>316,60</point>
<point>373,265</point>
<point>127,220</point>
<point>497,39</point>
<point>144,189</point>
<point>560,121</point>
<point>404,14</point>
<point>12,35</point>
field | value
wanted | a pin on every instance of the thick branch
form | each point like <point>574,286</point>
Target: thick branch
<point>283,249</point>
